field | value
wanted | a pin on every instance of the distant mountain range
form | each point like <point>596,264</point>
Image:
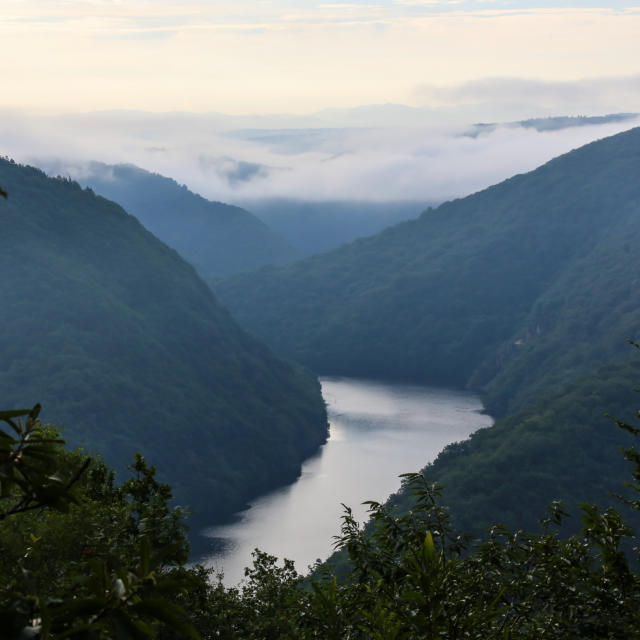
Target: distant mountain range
<point>128,350</point>
<point>555,123</point>
<point>526,291</point>
<point>217,238</point>
<point>371,115</point>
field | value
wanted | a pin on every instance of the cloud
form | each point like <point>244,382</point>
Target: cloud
<point>537,96</point>
<point>423,161</point>
<point>294,141</point>
<point>235,172</point>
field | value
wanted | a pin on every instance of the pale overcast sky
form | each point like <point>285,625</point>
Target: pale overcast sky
<point>299,56</point>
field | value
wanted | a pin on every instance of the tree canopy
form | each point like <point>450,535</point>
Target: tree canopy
<point>82,557</point>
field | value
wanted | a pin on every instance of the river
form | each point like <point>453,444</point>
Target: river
<point>377,431</point>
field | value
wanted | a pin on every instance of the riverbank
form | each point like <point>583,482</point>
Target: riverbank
<point>378,430</point>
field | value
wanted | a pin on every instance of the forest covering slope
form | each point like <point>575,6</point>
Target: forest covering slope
<point>560,447</point>
<point>526,291</point>
<point>119,339</point>
<point>217,238</point>
<point>479,291</point>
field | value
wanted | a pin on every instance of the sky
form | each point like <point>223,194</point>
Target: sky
<point>312,99</point>
<point>301,56</point>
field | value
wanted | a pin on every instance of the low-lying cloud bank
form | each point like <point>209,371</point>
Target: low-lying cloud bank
<point>319,157</point>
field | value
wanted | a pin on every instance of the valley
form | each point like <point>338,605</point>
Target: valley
<point>319,320</point>
<point>524,292</point>
<point>518,300</point>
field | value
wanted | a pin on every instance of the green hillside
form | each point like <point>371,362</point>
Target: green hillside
<point>127,348</point>
<point>526,291</point>
<point>480,292</point>
<point>582,319</point>
<point>562,447</point>
<point>218,239</point>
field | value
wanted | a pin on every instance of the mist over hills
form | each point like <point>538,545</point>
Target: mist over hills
<point>217,238</point>
<point>374,153</point>
<point>126,348</point>
<point>555,123</point>
<point>221,239</point>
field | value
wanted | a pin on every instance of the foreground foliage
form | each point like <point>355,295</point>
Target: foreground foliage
<point>79,556</point>
<point>413,577</point>
<point>82,557</point>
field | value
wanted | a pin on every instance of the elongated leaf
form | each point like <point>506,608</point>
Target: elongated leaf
<point>16,413</point>
<point>429,546</point>
<point>35,412</point>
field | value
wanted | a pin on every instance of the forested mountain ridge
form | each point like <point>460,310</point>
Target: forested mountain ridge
<point>454,297</point>
<point>217,238</point>
<point>123,343</point>
<point>562,446</point>
<point>526,291</point>
<point>581,321</point>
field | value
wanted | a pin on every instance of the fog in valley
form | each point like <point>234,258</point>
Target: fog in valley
<point>419,155</point>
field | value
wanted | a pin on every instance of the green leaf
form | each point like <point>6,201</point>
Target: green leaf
<point>16,413</point>
<point>429,546</point>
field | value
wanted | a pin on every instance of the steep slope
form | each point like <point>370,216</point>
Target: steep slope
<point>217,238</point>
<point>581,320</point>
<point>452,296</point>
<point>119,339</point>
<point>561,447</point>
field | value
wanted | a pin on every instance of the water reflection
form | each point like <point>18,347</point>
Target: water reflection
<point>377,432</point>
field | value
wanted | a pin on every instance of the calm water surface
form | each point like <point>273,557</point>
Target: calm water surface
<point>377,431</point>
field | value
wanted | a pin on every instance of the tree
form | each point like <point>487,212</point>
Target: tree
<point>82,557</point>
<point>411,576</point>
